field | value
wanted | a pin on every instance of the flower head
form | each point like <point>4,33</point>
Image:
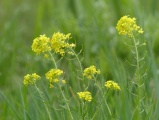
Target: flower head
<point>59,43</point>
<point>41,44</point>
<point>127,26</point>
<point>30,78</point>
<point>53,76</point>
<point>63,81</point>
<point>85,96</point>
<point>112,85</point>
<point>90,72</point>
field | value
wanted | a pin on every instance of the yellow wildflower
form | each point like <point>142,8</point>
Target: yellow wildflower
<point>59,43</point>
<point>112,85</point>
<point>41,44</point>
<point>85,96</point>
<point>53,76</point>
<point>90,72</point>
<point>127,26</point>
<point>64,81</point>
<point>140,31</point>
<point>51,85</point>
<point>30,78</point>
<point>46,56</point>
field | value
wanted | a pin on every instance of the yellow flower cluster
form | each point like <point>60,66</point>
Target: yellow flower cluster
<point>127,26</point>
<point>58,43</point>
<point>85,96</point>
<point>41,44</point>
<point>30,78</point>
<point>53,76</point>
<point>90,72</point>
<point>112,85</point>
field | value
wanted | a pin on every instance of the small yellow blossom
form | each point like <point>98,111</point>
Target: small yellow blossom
<point>59,43</point>
<point>51,86</point>
<point>64,81</point>
<point>41,44</point>
<point>141,31</point>
<point>112,85</point>
<point>85,96</point>
<point>46,56</point>
<point>71,53</point>
<point>90,72</point>
<point>53,76</point>
<point>30,78</point>
<point>127,26</point>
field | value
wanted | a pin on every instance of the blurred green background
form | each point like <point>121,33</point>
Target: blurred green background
<point>92,26</point>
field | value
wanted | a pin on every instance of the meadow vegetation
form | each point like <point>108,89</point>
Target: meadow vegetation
<point>93,59</point>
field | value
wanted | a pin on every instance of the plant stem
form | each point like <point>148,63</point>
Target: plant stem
<point>66,103</point>
<point>43,102</point>
<point>137,61</point>
<point>138,80</point>
<point>61,89</point>
<point>81,69</point>
<point>103,95</point>
<point>82,112</point>
<point>52,58</point>
<point>79,62</point>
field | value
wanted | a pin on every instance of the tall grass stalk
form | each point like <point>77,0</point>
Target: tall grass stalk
<point>23,105</point>
<point>3,97</point>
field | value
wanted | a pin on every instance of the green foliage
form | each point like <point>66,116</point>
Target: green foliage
<point>92,25</point>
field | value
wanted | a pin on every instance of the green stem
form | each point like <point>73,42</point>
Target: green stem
<point>66,103</point>
<point>100,105</point>
<point>61,89</point>
<point>52,58</point>
<point>82,114</point>
<point>81,69</point>
<point>137,60</point>
<point>79,62</point>
<point>47,110</point>
<point>103,95</point>
<point>138,80</point>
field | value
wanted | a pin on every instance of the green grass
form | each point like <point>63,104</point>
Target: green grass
<point>92,26</point>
